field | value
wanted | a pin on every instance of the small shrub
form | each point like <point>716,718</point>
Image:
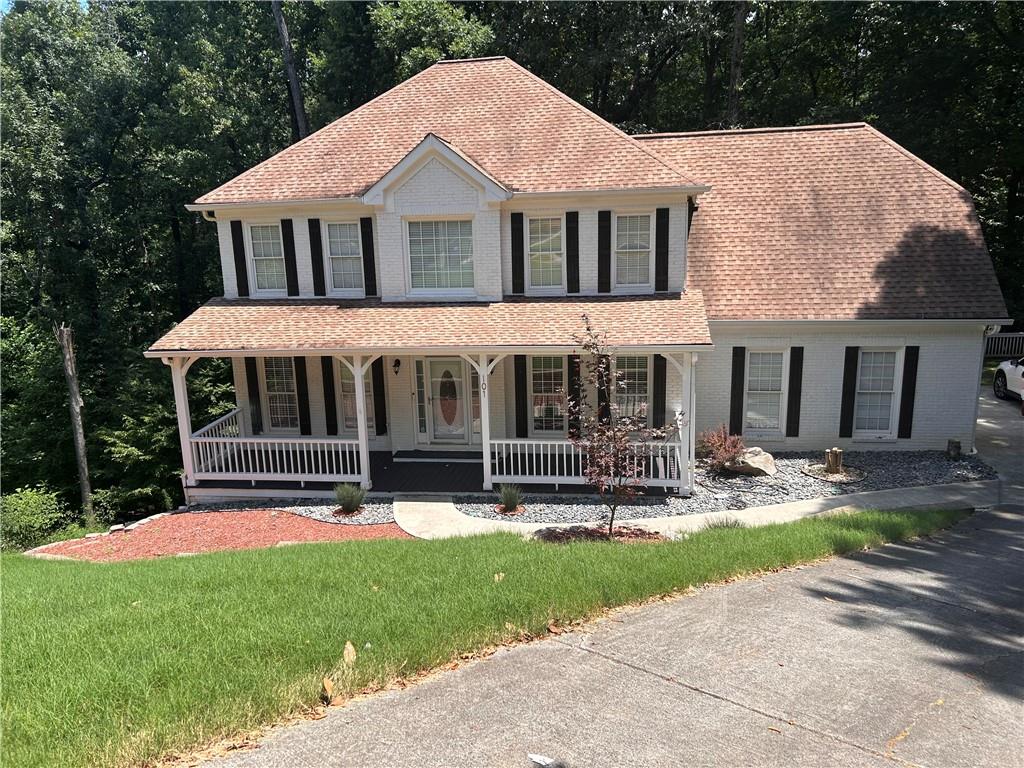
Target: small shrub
<point>28,517</point>
<point>717,523</point>
<point>510,497</point>
<point>719,447</point>
<point>349,497</point>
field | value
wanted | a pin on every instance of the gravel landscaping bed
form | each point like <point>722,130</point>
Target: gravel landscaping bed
<point>374,511</point>
<point>885,469</point>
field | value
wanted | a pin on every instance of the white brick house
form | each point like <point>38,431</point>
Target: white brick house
<point>406,285</point>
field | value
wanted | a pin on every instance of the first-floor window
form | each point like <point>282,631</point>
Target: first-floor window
<point>348,399</point>
<point>547,393</point>
<point>632,385</point>
<point>267,257</point>
<point>764,391</point>
<point>282,399</point>
<point>345,256</point>
<point>633,250</point>
<point>876,391</point>
<point>441,254</point>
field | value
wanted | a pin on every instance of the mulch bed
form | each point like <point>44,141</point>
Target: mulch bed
<point>625,533</point>
<point>194,533</point>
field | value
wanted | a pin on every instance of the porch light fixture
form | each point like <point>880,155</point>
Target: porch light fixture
<point>397,365</point>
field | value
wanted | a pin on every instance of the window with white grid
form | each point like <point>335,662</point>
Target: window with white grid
<point>764,391</point>
<point>545,245</point>
<point>633,250</point>
<point>267,257</point>
<point>876,390</point>
<point>282,399</point>
<point>441,254</point>
<point>348,399</point>
<point>547,393</point>
<point>345,256</point>
<point>631,385</point>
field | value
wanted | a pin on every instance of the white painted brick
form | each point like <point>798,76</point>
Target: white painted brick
<point>227,259</point>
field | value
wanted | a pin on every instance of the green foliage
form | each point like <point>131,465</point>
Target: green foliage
<point>28,517</point>
<point>510,497</point>
<point>719,523</point>
<point>350,497</point>
<point>418,604</point>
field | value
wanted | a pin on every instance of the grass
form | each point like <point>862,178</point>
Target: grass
<point>116,664</point>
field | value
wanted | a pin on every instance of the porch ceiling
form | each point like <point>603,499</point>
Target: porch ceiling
<point>223,327</point>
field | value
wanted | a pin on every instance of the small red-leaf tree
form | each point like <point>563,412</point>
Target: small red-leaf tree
<point>607,434</point>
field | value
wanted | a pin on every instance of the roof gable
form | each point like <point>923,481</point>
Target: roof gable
<point>528,136</point>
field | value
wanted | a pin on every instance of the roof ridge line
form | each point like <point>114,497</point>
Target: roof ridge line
<point>601,121</point>
<point>931,169</point>
<point>469,59</point>
<point>769,129</point>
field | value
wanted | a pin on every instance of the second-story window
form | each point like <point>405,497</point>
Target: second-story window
<point>545,239</point>
<point>267,257</point>
<point>441,255</point>
<point>345,257</point>
<point>633,250</point>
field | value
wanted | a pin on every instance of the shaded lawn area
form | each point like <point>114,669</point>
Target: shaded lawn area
<point>115,664</point>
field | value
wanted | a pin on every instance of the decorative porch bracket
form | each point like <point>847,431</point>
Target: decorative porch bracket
<point>359,366</point>
<point>484,369</point>
<point>179,367</point>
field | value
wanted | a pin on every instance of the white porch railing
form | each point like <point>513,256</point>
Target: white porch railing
<point>219,452</point>
<point>662,464</point>
<point>1004,345</point>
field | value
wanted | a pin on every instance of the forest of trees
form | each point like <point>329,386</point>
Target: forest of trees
<point>115,115</point>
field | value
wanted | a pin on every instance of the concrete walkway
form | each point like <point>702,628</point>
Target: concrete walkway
<point>439,518</point>
<point>912,654</point>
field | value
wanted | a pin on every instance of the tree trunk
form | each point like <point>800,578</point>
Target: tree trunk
<point>739,21</point>
<point>294,88</point>
<point>67,348</point>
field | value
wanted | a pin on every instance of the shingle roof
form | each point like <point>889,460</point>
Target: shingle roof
<point>522,131</point>
<point>322,324</point>
<point>830,222</point>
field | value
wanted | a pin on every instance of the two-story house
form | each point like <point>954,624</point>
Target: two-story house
<point>407,285</point>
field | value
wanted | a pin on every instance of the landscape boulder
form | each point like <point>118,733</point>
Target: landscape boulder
<point>753,461</point>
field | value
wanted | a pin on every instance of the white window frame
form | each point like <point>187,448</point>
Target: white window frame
<point>869,435</point>
<point>265,399</point>
<point>351,293</point>
<point>650,382</point>
<point>339,370</point>
<point>765,434</point>
<point>250,258</point>
<point>437,292</point>
<point>565,398</point>
<point>543,290</point>
<point>629,288</point>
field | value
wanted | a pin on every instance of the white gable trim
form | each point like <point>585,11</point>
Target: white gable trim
<point>433,146</point>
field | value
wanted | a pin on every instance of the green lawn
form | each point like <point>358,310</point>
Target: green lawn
<point>119,663</point>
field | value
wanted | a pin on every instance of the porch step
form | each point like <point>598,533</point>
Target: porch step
<point>439,457</point>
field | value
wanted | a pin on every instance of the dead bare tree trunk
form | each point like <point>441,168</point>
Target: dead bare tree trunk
<point>294,88</point>
<point>65,339</point>
<point>739,21</point>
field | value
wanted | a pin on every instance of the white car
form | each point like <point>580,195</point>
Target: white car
<point>1009,379</point>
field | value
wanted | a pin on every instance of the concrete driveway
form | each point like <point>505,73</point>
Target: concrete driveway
<point>1000,438</point>
<point>912,654</point>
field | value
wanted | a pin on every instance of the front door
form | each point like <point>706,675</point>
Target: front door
<point>447,399</point>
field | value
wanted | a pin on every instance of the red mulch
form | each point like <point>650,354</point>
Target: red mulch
<point>625,533</point>
<point>194,532</point>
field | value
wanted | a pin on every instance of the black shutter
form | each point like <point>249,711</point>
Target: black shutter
<point>661,249</point>
<point>691,208</point>
<point>369,259</point>
<point>522,404</point>
<point>518,257</point>
<point>906,424</point>
<point>604,251</point>
<point>238,247</point>
<point>849,391</point>
<point>380,401</point>
<point>302,392</point>
<point>330,397</point>
<point>574,393</point>
<point>291,272</point>
<point>658,393</point>
<point>739,363</point>
<point>572,252</point>
<point>795,390</point>
<point>316,260</point>
<point>605,380</point>
<point>252,386</point>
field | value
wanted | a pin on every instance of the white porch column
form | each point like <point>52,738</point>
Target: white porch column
<point>692,468</point>
<point>483,372</point>
<point>179,367</point>
<point>683,408</point>
<point>359,366</point>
